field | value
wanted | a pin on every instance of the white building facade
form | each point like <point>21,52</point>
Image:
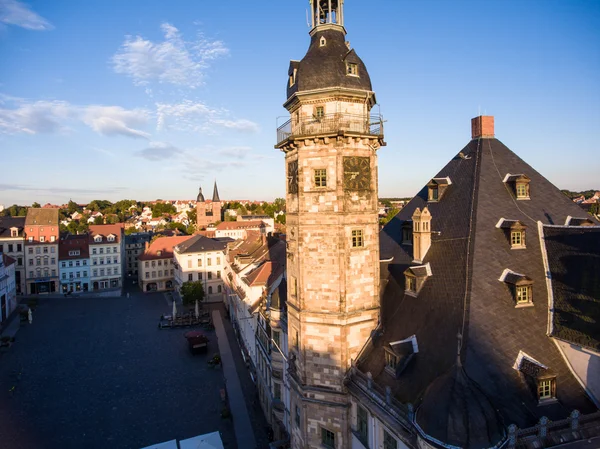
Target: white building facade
<point>106,250</point>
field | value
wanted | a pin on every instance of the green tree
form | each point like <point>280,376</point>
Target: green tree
<point>180,226</point>
<point>192,216</point>
<point>36,204</point>
<point>280,219</point>
<point>192,291</point>
<point>279,204</point>
<point>162,208</point>
<point>191,229</point>
<point>83,227</point>
<point>72,207</point>
<point>72,227</point>
<point>391,214</point>
<point>131,230</point>
<point>99,220</point>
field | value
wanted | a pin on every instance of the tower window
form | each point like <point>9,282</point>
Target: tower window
<point>321,177</point>
<point>545,388</point>
<point>389,442</point>
<point>327,438</point>
<point>391,360</point>
<point>351,69</point>
<point>411,284</point>
<point>433,194</point>
<point>519,184</point>
<point>323,42</point>
<point>362,423</point>
<point>357,238</point>
<point>319,111</point>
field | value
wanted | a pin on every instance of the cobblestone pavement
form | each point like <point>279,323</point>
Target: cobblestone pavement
<point>98,373</point>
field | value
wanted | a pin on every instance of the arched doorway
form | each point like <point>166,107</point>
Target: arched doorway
<point>169,284</point>
<point>151,287</point>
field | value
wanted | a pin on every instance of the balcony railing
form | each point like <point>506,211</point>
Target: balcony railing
<point>371,124</point>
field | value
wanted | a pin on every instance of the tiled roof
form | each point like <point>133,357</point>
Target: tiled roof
<point>199,244</point>
<point>164,245</point>
<point>573,261</point>
<point>265,274</point>
<point>104,231</point>
<point>468,254</point>
<point>11,222</point>
<point>72,243</point>
<point>37,216</point>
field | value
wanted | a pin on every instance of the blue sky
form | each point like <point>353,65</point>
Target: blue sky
<point>147,99</point>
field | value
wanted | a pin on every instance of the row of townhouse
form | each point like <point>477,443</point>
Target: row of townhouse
<point>256,289</point>
<point>46,263</point>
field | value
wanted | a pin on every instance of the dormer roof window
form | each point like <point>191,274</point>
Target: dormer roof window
<point>98,239</point>
<point>111,238</point>
<point>351,69</point>
<point>519,184</point>
<point>415,277</point>
<point>579,221</point>
<point>14,232</point>
<point>521,287</point>
<point>540,379</point>
<point>436,188</point>
<point>514,231</point>
<point>398,354</point>
<point>322,41</point>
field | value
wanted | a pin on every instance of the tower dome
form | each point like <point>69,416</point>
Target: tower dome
<point>455,411</point>
<point>329,61</point>
<point>200,197</point>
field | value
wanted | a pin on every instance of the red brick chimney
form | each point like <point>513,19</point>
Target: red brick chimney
<point>482,126</point>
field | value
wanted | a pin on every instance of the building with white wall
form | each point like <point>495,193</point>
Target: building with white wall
<point>201,259</point>
<point>8,290</point>
<point>106,250</point>
<point>74,263</point>
<point>156,265</point>
<point>12,243</point>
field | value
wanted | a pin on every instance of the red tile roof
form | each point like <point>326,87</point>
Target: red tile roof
<point>74,243</point>
<point>106,230</point>
<point>164,245</point>
<point>265,274</point>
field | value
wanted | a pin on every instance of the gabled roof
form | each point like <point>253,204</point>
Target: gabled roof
<point>41,216</point>
<point>73,243</point>
<point>199,244</point>
<point>104,231</point>
<point>573,263</point>
<point>468,256</point>
<point>265,274</point>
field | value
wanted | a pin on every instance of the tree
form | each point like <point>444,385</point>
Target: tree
<point>280,219</point>
<point>99,220</point>
<point>391,214</point>
<point>162,208</point>
<point>36,205</point>
<point>192,216</point>
<point>179,226</point>
<point>130,230</point>
<point>72,207</point>
<point>192,291</point>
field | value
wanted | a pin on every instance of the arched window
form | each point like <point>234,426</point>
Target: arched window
<point>210,290</point>
<point>219,289</point>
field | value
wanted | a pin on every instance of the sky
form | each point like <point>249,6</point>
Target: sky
<point>142,100</point>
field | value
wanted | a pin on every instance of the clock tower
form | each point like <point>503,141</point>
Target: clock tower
<point>330,144</point>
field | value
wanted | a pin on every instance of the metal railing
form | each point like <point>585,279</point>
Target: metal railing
<point>371,124</point>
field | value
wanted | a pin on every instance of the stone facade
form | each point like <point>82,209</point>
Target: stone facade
<point>333,248</point>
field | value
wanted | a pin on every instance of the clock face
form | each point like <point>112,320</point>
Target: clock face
<point>357,173</point>
<point>293,177</point>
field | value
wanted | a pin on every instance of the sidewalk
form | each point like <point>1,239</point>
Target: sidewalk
<point>241,420</point>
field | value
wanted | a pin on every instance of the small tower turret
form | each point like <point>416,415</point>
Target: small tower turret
<point>327,14</point>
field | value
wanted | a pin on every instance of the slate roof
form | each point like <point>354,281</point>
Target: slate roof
<point>467,256</point>
<point>11,222</point>
<point>200,197</point>
<point>199,244</point>
<point>41,216</point>
<point>325,66</point>
<point>573,255</point>
<point>215,197</point>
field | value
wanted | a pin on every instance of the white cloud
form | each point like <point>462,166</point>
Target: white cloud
<point>41,117</point>
<point>198,117</point>
<point>158,151</point>
<point>112,120</point>
<point>173,61</point>
<point>235,152</point>
<point>13,12</point>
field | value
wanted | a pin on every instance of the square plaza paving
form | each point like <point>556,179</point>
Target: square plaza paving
<point>98,373</point>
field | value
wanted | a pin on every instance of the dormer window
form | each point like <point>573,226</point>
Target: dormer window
<point>42,239</point>
<point>14,232</point>
<point>111,238</point>
<point>521,287</point>
<point>579,221</point>
<point>351,69</point>
<point>514,231</point>
<point>519,184</point>
<point>538,376</point>
<point>436,188</point>
<point>98,239</point>
<point>415,277</point>
<point>323,41</point>
<point>398,354</point>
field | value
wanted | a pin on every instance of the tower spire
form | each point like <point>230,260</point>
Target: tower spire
<point>327,14</point>
<point>215,197</point>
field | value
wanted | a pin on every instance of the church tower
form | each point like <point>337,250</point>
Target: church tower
<point>330,144</point>
<point>208,213</point>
